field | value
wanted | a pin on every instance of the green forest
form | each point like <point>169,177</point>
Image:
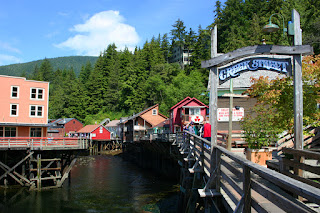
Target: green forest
<point>121,83</point>
<point>68,62</point>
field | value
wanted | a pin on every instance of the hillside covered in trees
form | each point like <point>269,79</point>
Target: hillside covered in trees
<point>70,62</point>
<point>120,83</point>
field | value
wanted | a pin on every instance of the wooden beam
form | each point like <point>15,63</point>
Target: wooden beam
<point>257,50</point>
<point>66,174</point>
<point>298,102</point>
<point>15,166</point>
<point>279,200</point>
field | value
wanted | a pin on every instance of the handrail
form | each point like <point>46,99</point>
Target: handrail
<point>46,143</point>
<point>265,182</point>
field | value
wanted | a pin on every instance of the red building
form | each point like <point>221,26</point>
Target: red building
<point>187,110</point>
<point>94,132</point>
<point>64,127</point>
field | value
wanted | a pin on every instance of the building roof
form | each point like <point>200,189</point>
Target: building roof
<point>113,123</point>
<point>62,121</point>
<point>143,112</point>
<point>88,129</point>
<point>165,123</point>
<point>188,100</point>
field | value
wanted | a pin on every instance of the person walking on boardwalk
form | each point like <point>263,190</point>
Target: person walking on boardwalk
<point>191,128</point>
<point>207,130</point>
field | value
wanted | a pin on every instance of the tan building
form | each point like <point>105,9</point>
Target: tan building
<point>181,55</point>
<point>136,126</point>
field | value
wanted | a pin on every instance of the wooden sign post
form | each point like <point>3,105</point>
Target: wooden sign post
<point>295,52</point>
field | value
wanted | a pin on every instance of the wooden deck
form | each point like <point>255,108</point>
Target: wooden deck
<point>21,143</point>
<point>240,185</point>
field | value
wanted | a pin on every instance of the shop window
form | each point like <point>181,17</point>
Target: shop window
<point>10,132</point>
<point>35,131</point>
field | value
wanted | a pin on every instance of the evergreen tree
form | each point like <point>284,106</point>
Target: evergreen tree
<point>46,71</point>
<point>178,33</point>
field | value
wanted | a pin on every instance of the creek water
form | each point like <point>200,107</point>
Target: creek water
<point>98,184</point>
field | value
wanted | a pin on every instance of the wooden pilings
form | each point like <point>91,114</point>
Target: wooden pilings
<point>97,147</point>
<point>37,170</point>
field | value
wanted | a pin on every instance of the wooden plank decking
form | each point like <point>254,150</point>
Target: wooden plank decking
<point>244,185</point>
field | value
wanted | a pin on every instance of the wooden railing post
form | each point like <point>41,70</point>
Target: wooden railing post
<point>202,154</point>
<point>246,189</point>
<point>217,167</point>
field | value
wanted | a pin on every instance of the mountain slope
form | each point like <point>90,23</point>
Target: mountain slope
<point>75,62</point>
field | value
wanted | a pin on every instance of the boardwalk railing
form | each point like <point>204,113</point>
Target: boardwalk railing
<point>34,143</point>
<point>243,185</point>
<point>301,164</point>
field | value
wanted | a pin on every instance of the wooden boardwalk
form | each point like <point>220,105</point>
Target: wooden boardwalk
<point>236,184</point>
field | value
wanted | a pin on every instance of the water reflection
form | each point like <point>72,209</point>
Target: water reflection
<point>98,184</point>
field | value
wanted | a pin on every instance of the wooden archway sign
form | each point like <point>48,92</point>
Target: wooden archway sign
<point>295,51</point>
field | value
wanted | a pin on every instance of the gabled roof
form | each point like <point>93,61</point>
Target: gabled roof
<point>113,123</point>
<point>89,128</point>
<point>163,123</point>
<point>140,113</point>
<point>143,112</point>
<point>196,100</point>
<point>187,98</point>
<point>186,101</point>
<point>61,121</point>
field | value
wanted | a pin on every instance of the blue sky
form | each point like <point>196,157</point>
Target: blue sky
<point>32,30</point>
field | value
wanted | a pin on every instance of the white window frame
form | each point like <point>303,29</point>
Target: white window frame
<point>154,112</point>
<point>18,89</point>
<point>195,111</point>
<point>37,93</point>
<point>17,109</point>
<point>36,111</point>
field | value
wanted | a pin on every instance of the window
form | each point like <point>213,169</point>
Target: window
<point>35,132</point>
<point>36,111</point>
<point>194,111</point>
<point>10,132</point>
<point>14,92</point>
<point>154,112</point>
<point>1,131</point>
<point>14,109</point>
<point>101,130</point>
<point>37,93</point>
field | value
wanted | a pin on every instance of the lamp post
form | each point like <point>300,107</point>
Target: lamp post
<point>270,28</point>
<point>295,31</point>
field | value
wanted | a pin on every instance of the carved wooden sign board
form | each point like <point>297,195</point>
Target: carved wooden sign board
<point>280,65</point>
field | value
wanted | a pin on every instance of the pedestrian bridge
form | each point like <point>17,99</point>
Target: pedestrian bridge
<point>228,182</point>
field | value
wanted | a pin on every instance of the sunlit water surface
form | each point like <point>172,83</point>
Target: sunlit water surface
<point>98,184</point>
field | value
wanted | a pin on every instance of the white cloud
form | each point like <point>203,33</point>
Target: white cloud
<point>8,59</point>
<point>8,47</point>
<point>99,31</point>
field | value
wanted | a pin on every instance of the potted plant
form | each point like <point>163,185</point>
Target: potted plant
<point>259,133</point>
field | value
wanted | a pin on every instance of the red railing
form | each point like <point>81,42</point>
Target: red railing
<point>43,143</point>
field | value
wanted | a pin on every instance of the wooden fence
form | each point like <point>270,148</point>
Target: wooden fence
<point>244,185</point>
